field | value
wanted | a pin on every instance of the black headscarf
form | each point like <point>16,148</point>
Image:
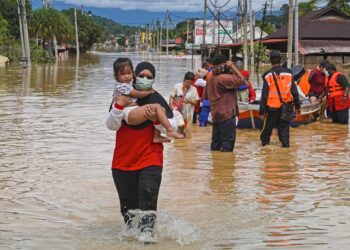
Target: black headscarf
<point>145,65</point>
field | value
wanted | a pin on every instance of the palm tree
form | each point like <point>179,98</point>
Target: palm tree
<point>49,24</point>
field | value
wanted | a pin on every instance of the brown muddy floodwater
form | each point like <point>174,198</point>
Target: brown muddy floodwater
<point>57,192</point>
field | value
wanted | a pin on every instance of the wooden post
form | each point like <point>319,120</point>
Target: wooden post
<point>252,33</point>
<point>167,32</point>
<point>245,38</point>
<point>205,21</point>
<point>21,29</point>
<point>290,35</point>
<point>296,34</point>
<point>23,11</point>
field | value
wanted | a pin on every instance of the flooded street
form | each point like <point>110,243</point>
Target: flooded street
<point>57,191</point>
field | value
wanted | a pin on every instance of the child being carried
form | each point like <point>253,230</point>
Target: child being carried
<point>132,113</point>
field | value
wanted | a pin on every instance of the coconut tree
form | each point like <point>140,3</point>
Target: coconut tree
<point>49,24</point>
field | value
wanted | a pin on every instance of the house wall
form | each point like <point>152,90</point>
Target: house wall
<point>335,59</point>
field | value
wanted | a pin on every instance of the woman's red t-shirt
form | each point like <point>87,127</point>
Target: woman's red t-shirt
<point>134,149</point>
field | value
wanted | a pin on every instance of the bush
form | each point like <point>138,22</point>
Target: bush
<point>39,55</point>
<point>11,49</point>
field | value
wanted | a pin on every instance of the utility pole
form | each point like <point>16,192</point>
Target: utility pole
<point>296,35</point>
<point>23,18</point>
<point>153,35</point>
<point>21,30</point>
<point>147,36</point>
<point>245,37</point>
<point>160,37</point>
<point>205,21</point>
<point>215,14</point>
<point>260,44</point>
<point>290,35</point>
<point>187,30</point>
<point>218,12</point>
<point>76,33</point>
<point>167,32</point>
<point>252,33</point>
<point>157,30</point>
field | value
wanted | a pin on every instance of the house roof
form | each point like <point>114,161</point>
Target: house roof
<point>270,41</point>
<point>326,23</point>
<point>323,46</point>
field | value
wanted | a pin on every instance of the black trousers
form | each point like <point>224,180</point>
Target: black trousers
<point>273,120</point>
<point>340,116</point>
<point>138,190</point>
<point>224,135</point>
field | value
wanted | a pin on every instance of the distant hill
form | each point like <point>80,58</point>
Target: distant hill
<point>112,27</point>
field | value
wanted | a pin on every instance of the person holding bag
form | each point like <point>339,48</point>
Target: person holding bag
<point>279,97</point>
<point>183,98</point>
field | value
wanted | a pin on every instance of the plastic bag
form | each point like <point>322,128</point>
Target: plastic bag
<point>179,118</point>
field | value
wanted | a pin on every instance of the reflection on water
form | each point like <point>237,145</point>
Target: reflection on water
<point>56,187</point>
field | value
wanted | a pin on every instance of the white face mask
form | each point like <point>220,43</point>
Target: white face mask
<point>326,72</point>
<point>143,83</point>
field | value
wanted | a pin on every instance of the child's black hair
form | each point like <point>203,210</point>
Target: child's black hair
<point>120,64</point>
<point>189,76</point>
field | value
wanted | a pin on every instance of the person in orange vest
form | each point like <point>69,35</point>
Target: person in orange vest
<point>278,84</point>
<point>317,80</point>
<point>337,91</point>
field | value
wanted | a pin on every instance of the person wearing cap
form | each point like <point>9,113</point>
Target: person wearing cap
<point>317,80</point>
<point>247,95</point>
<point>199,83</point>
<point>278,84</point>
<point>137,160</point>
<point>221,90</point>
<point>337,92</point>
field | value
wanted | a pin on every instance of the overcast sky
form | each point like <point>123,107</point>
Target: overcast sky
<point>161,6</point>
<point>141,12</point>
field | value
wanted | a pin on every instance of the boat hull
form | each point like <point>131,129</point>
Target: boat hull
<point>249,115</point>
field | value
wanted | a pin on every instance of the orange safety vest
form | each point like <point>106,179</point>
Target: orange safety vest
<point>304,83</point>
<point>333,88</point>
<point>335,93</point>
<point>284,81</point>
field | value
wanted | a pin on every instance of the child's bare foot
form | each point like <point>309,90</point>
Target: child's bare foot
<point>174,134</point>
<point>161,139</point>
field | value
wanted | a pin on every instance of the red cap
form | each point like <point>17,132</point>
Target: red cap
<point>245,73</point>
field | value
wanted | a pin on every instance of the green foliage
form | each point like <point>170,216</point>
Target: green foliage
<point>268,28</point>
<point>306,7</point>
<point>263,55</point>
<point>11,48</point>
<point>89,32</point>
<point>3,29</point>
<point>121,41</point>
<point>39,55</point>
<point>342,5</point>
<point>47,23</point>
<point>9,11</point>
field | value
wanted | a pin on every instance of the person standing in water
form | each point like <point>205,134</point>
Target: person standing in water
<point>221,90</point>
<point>138,161</point>
<point>278,88</point>
<point>338,96</point>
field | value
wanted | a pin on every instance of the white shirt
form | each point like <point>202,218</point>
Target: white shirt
<point>191,93</point>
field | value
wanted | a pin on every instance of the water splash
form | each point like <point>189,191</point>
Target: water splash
<point>167,227</point>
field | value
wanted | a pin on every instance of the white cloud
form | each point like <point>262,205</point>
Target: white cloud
<point>149,5</point>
